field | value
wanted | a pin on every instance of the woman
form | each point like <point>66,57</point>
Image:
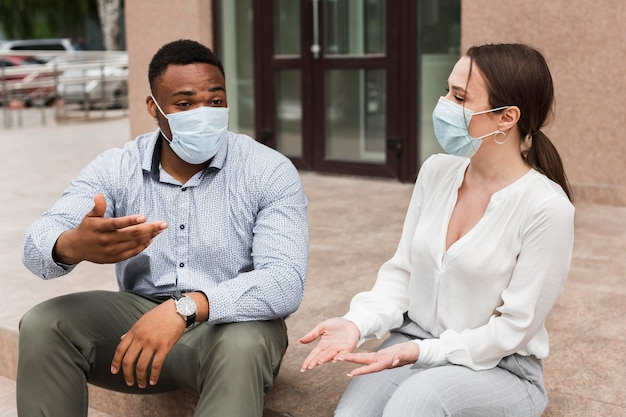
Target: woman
<point>484,253</point>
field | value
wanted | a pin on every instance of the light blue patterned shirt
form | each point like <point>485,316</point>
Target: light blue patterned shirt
<point>237,229</point>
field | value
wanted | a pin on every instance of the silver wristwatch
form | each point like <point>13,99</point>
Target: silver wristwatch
<point>186,307</point>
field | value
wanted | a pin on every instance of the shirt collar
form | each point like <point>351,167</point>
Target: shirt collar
<point>220,157</point>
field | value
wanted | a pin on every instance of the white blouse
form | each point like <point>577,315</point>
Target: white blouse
<point>488,295</point>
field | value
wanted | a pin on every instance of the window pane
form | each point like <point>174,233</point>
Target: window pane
<point>238,60</point>
<point>286,27</point>
<point>355,115</point>
<point>440,43</point>
<point>289,113</point>
<point>354,27</point>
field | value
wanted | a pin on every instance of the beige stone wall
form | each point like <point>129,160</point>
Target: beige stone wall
<point>150,25</point>
<point>585,45</point>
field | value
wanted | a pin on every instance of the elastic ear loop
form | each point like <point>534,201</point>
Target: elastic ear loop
<point>164,115</point>
<point>499,132</point>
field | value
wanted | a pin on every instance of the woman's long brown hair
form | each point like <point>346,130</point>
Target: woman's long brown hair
<point>518,75</point>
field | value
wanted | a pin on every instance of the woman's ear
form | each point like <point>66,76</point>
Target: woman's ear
<point>509,117</point>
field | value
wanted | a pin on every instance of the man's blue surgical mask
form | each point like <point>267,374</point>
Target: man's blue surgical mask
<point>196,134</point>
<point>451,122</point>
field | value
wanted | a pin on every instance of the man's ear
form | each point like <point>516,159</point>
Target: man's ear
<point>509,117</point>
<point>151,107</point>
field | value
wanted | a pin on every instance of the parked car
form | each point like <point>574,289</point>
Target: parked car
<point>45,46</point>
<point>26,80</point>
<point>91,79</point>
<point>94,80</point>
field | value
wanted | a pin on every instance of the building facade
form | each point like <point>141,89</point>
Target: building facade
<point>348,86</point>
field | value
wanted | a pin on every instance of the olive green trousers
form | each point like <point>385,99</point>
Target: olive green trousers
<point>69,341</point>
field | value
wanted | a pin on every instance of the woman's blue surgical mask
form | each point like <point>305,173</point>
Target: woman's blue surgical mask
<point>196,134</point>
<point>451,122</point>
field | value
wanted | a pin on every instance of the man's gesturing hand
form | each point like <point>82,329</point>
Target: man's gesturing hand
<point>106,240</point>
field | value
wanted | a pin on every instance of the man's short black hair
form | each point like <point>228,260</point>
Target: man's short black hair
<point>180,52</point>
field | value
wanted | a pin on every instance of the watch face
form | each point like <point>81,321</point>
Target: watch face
<point>186,306</point>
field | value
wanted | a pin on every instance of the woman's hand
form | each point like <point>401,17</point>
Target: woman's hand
<point>337,336</point>
<point>391,357</point>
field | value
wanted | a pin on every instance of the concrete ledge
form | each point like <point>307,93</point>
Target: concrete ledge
<point>8,353</point>
<point>174,404</point>
<point>316,398</point>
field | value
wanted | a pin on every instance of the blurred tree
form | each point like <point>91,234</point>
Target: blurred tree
<point>109,13</point>
<point>23,18</point>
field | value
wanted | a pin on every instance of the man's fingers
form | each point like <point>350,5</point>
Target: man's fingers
<point>128,364</point>
<point>137,238</point>
<point>140,230</point>
<point>128,221</point>
<point>142,367</point>
<point>123,234</point>
<point>121,223</point>
<point>120,351</point>
<point>99,207</point>
<point>155,370</point>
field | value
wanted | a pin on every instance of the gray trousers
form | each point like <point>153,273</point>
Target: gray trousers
<point>514,388</point>
<point>69,341</point>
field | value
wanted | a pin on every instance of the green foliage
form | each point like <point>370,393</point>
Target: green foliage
<point>22,19</point>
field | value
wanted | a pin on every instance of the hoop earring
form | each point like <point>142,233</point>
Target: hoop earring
<point>499,132</point>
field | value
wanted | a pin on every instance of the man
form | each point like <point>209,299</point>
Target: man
<point>203,225</point>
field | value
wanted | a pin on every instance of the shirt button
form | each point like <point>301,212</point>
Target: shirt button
<point>182,264</point>
<point>184,189</point>
<point>182,226</point>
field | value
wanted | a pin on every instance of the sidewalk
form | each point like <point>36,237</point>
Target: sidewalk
<point>355,226</point>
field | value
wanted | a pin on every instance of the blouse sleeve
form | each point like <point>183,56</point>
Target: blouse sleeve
<point>377,311</point>
<point>538,278</point>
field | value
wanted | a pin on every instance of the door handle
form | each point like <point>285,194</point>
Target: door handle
<point>395,142</point>
<point>315,46</point>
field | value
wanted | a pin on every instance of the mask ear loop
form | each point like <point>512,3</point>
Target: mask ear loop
<point>499,132</point>
<point>164,115</point>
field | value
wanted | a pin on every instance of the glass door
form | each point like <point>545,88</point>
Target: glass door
<point>345,86</point>
<point>325,72</point>
<point>352,63</point>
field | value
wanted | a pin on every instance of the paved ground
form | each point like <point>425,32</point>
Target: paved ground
<point>355,225</point>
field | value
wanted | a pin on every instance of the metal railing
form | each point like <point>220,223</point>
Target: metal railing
<point>79,84</point>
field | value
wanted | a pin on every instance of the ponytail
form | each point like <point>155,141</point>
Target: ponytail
<point>543,156</point>
<point>517,74</point>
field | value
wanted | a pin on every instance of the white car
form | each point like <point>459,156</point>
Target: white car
<point>93,80</point>
<point>43,50</point>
